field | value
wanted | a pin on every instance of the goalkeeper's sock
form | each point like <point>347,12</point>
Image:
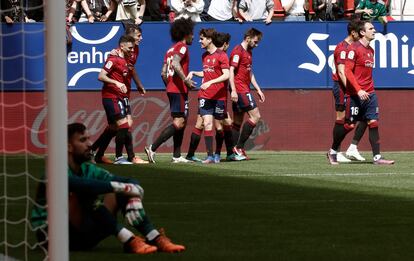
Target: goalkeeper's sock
<point>167,133</point>
<point>194,141</point>
<point>146,228</point>
<point>219,141</point>
<point>245,133</point>
<point>124,235</point>
<point>120,140</point>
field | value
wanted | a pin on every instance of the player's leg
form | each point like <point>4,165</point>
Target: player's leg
<point>371,114</point>
<point>352,151</point>
<point>228,134</point>
<point>120,140</point>
<point>247,103</point>
<point>343,126</point>
<point>219,139</point>
<point>179,109</point>
<point>195,139</point>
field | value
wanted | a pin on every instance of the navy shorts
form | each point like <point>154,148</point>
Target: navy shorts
<point>245,102</point>
<point>339,96</point>
<point>217,108</point>
<point>357,110</point>
<point>116,108</point>
<point>178,104</point>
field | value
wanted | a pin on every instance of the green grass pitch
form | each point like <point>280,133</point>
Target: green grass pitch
<point>276,206</point>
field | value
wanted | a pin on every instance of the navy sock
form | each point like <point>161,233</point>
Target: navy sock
<point>167,133</point>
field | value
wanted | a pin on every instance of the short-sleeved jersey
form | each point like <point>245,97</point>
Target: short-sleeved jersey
<point>131,60</point>
<point>175,84</point>
<point>241,60</point>
<point>117,69</point>
<point>360,60</point>
<point>213,64</point>
<point>340,54</point>
<point>378,9</point>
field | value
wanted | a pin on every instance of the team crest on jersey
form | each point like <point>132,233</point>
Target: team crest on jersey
<point>183,50</point>
<point>351,55</point>
<point>108,65</point>
<point>236,58</point>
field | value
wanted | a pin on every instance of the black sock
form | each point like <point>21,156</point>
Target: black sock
<point>359,132</point>
<point>195,140</point>
<point>129,146</point>
<point>167,133</point>
<point>178,141</point>
<point>339,132</point>
<point>219,141</point>
<point>236,132</point>
<point>374,139</point>
<point>245,133</point>
<point>228,139</point>
<point>208,137</point>
<point>102,143</point>
<point>120,141</point>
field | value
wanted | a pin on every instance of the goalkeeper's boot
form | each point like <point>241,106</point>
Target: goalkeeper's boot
<point>137,245</point>
<point>164,244</point>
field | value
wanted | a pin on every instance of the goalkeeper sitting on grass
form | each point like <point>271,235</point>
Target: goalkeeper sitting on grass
<point>90,221</point>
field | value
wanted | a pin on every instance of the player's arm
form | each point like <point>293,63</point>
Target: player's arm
<point>258,89</point>
<point>178,69</point>
<point>341,73</point>
<point>222,78</point>
<point>350,76</point>
<point>103,77</point>
<point>164,76</point>
<point>233,93</point>
<point>138,83</point>
<point>199,74</point>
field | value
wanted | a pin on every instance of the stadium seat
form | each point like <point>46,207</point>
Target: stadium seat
<point>349,8</point>
<point>279,12</point>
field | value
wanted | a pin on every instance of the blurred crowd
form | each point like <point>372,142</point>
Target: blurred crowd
<point>138,11</point>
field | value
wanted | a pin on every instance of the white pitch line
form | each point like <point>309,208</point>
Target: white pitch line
<point>321,174</point>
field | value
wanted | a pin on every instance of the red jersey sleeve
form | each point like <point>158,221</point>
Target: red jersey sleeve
<point>353,85</point>
<point>235,58</point>
<point>224,61</point>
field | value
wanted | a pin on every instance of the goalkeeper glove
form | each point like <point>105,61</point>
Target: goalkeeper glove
<point>129,189</point>
<point>134,212</point>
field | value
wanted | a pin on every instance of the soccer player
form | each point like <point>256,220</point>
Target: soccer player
<point>105,138</point>
<point>91,220</point>
<point>338,89</point>
<point>363,102</point>
<point>213,91</point>
<point>174,72</point>
<point>241,76</point>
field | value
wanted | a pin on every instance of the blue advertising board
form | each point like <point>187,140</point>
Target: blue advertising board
<point>292,55</point>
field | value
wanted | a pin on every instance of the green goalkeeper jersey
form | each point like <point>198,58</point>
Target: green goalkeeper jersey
<point>379,9</point>
<point>91,182</point>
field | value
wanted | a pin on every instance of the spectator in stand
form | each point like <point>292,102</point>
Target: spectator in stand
<point>35,10</point>
<point>71,6</point>
<point>205,10</point>
<point>295,9</point>
<point>251,10</point>
<point>372,10</point>
<point>153,10</point>
<point>220,10</point>
<point>328,10</point>
<point>131,10</point>
<point>12,11</point>
<point>96,10</point>
<point>188,9</point>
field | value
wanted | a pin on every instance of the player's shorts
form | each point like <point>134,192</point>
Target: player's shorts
<point>116,108</point>
<point>339,96</point>
<point>178,104</point>
<point>357,110</point>
<point>217,108</point>
<point>245,102</point>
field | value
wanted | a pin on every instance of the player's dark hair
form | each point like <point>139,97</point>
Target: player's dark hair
<point>181,28</point>
<point>354,25</point>
<point>131,28</point>
<point>75,128</point>
<point>253,32</point>
<point>208,33</point>
<point>221,39</point>
<point>126,39</point>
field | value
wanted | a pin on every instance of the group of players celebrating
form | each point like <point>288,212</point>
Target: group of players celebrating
<point>218,73</point>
